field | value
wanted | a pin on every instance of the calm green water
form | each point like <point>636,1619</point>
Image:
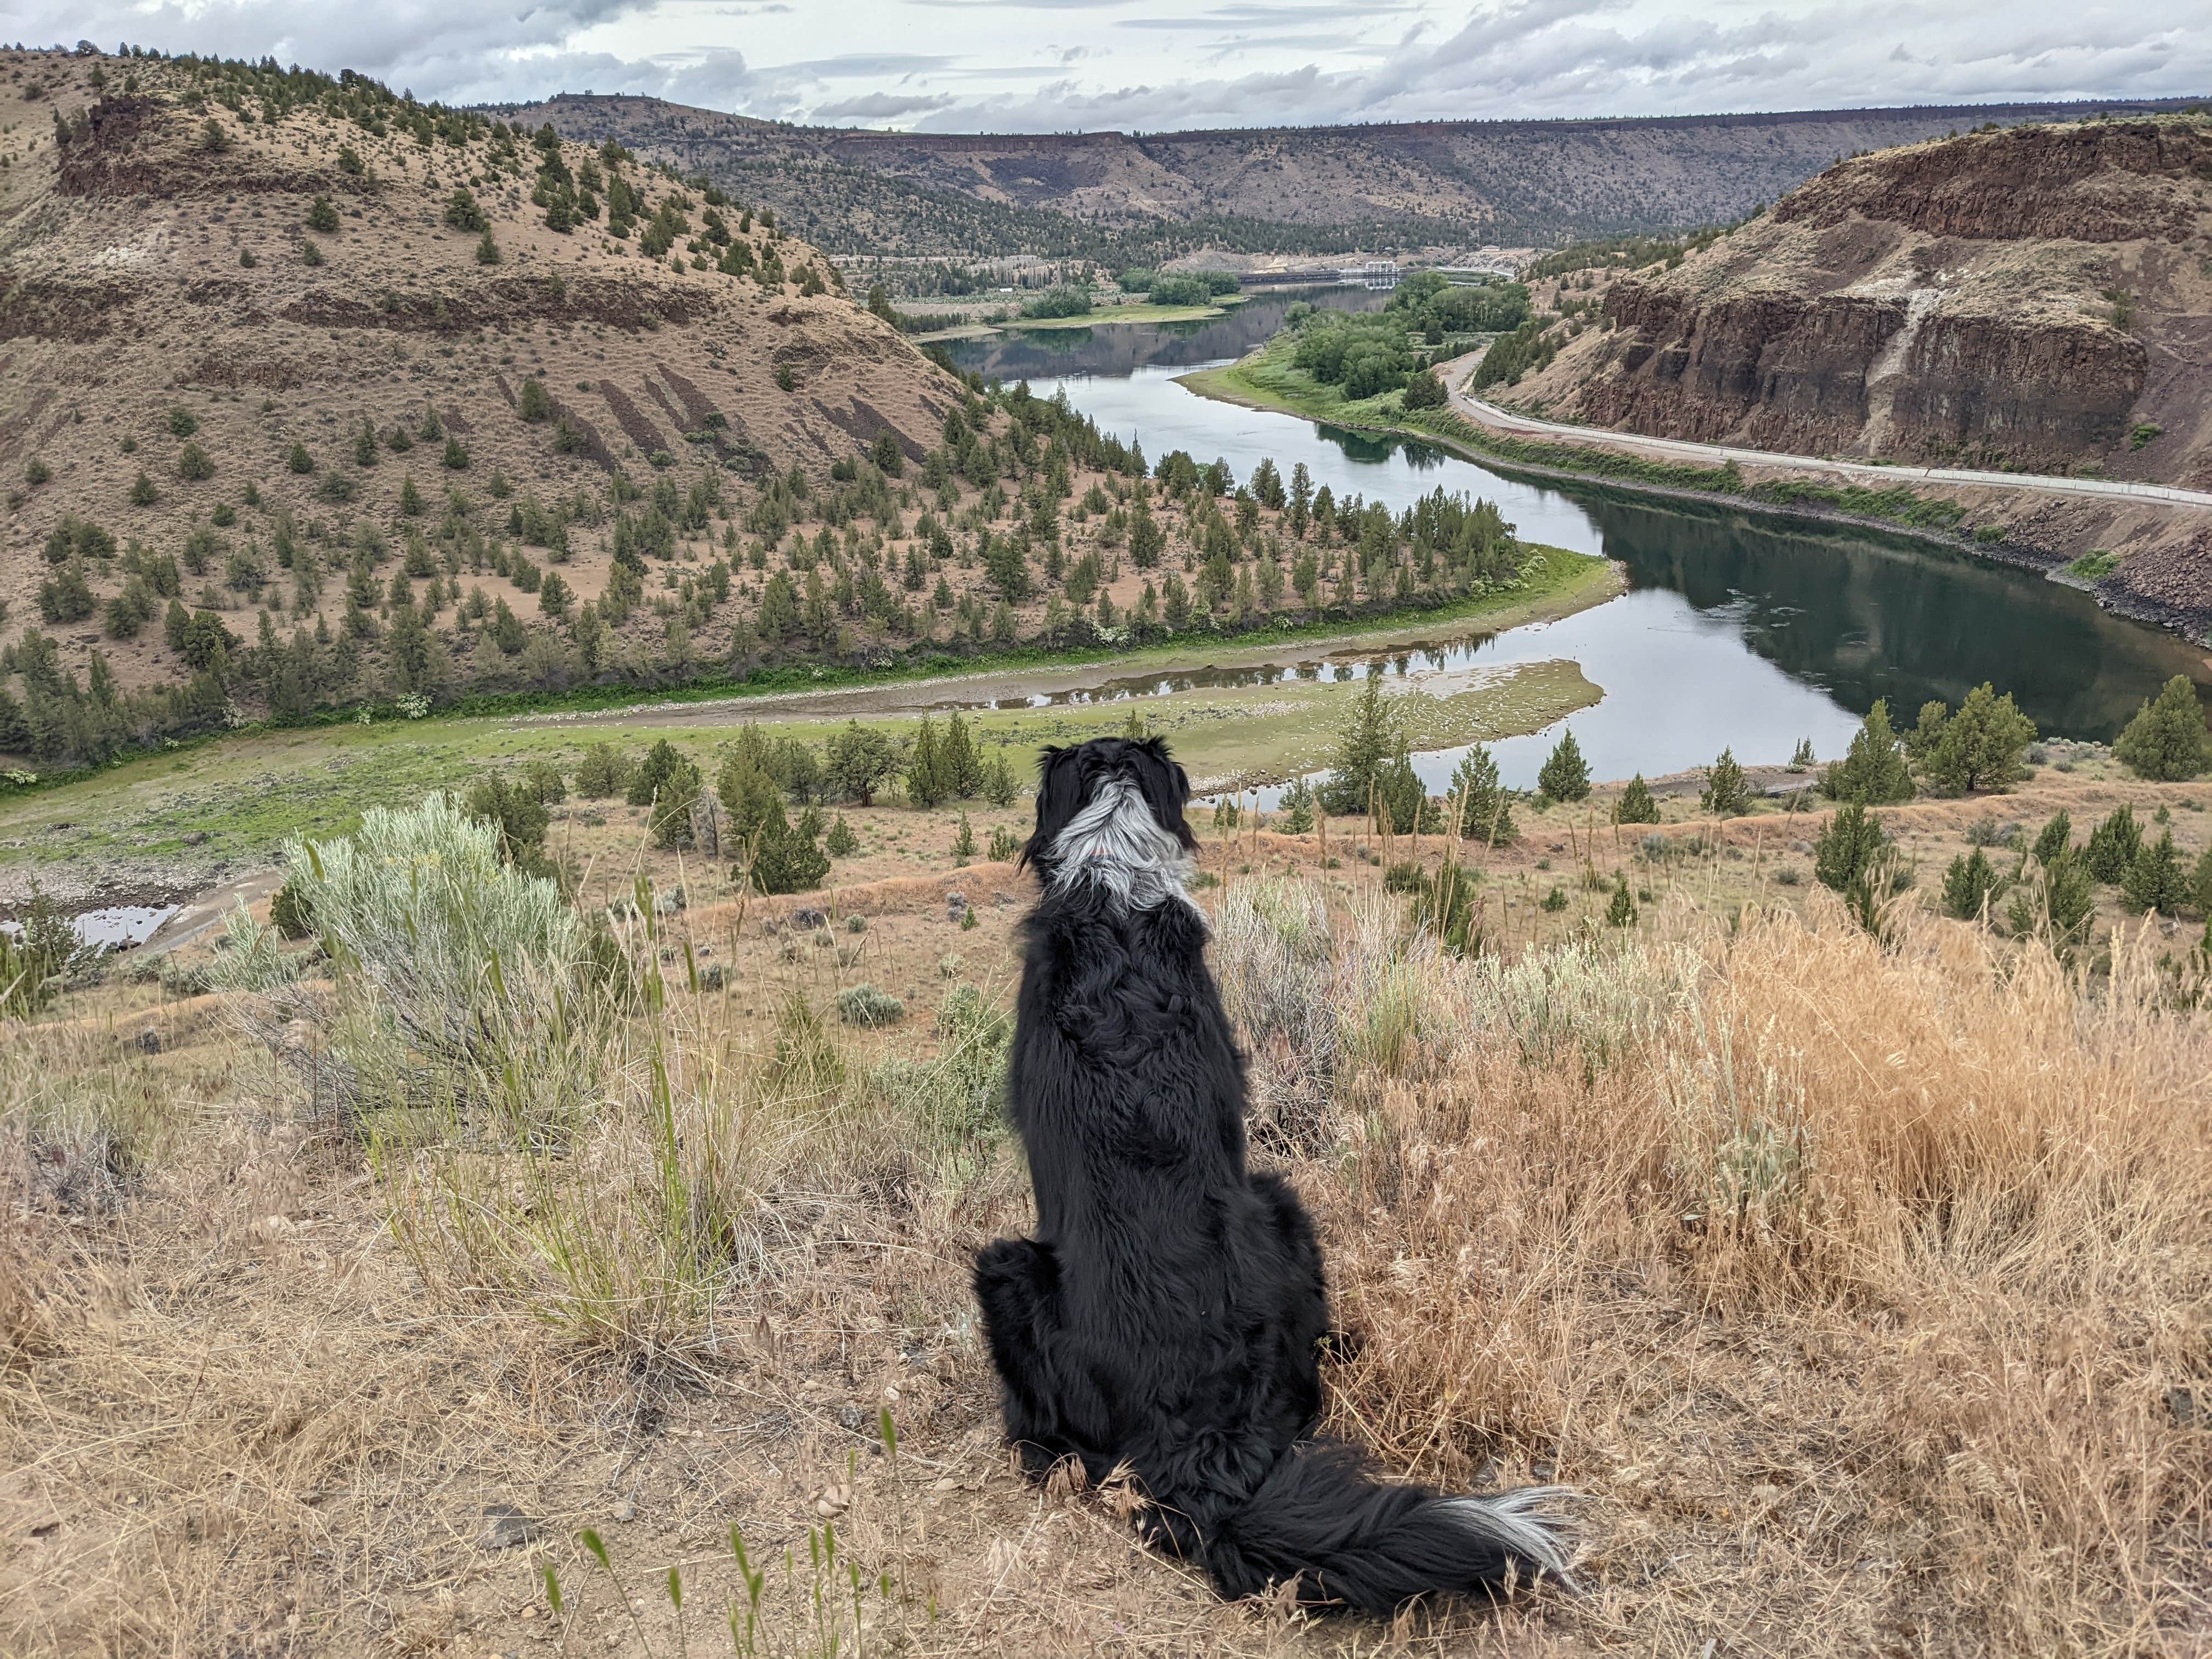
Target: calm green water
<point>1742,630</point>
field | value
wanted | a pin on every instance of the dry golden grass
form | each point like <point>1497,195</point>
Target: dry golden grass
<point>1859,1285</point>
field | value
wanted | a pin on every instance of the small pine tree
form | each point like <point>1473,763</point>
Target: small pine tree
<point>1401,799</point>
<point>1622,912</point>
<point>1727,794</point>
<point>1968,886</point>
<point>323,215</point>
<point>1000,786</point>
<point>299,461</point>
<point>486,249</point>
<point>1365,744</point>
<point>2200,884</point>
<point>2055,840</point>
<point>1565,774</point>
<point>963,842</point>
<point>840,843</point>
<point>456,456</point>
<point>925,785</point>
<point>1800,758</point>
<point>2055,901</point>
<point>1295,807</point>
<point>1485,810</point>
<point>1853,857</point>
<point>1873,772</point>
<point>2113,846</point>
<point>1636,804</point>
<point>2168,739</point>
<point>958,761</point>
<point>2153,881</point>
<point>142,493</point>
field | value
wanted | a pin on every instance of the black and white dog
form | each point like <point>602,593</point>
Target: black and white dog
<point>1170,1311</point>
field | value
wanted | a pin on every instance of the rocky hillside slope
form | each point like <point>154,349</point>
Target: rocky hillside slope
<point>267,338</point>
<point>1284,190</point>
<point>2037,298</point>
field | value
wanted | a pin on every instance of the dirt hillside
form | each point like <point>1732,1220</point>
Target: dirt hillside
<point>256,324</point>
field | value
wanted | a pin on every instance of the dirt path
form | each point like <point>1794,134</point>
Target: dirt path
<point>1505,421</point>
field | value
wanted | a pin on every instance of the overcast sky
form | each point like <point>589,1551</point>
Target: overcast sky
<point>1059,65</point>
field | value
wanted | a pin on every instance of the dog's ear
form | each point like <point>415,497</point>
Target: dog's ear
<point>1167,788</point>
<point>1058,799</point>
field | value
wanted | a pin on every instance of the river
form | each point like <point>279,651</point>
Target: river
<point>1742,630</point>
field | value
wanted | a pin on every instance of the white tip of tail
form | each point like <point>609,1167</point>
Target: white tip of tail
<point>1516,1522</point>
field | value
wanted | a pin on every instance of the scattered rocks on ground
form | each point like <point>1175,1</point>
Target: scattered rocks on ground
<point>507,1528</point>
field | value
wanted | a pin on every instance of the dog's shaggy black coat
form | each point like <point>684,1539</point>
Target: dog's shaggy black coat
<point>1170,1310</point>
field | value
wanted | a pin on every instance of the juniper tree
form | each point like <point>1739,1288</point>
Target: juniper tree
<point>2113,846</point>
<point>1481,804</point>
<point>1727,794</point>
<point>1853,858</point>
<point>1980,747</point>
<point>925,783</point>
<point>2055,840</point>
<point>2153,881</point>
<point>2168,739</point>
<point>1622,912</point>
<point>1364,742</point>
<point>1636,804</point>
<point>859,760</point>
<point>2055,901</point>
<point>1565,775</point>
<point>669,783</point>
<point>1874,771</point>
<point>961,766</point>
<point>1968,886</point>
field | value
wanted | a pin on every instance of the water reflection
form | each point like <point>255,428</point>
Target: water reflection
<point>1738,629</point>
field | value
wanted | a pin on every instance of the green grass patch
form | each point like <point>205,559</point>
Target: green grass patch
<point>2095,567</point>
<point>241,794</point>
<point>1268,379</point>
<point>1107,315</point>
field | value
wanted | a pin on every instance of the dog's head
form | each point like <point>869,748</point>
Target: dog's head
<point>1111,811</point>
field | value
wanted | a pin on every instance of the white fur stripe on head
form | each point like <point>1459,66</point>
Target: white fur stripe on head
<point>1116,843</point>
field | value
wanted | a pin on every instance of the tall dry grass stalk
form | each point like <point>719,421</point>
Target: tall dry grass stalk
<point>1893,1256</point>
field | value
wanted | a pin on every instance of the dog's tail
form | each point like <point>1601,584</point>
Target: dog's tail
<point>1322,1519</point>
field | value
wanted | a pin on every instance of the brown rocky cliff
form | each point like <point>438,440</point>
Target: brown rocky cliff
<point>2034,299</point>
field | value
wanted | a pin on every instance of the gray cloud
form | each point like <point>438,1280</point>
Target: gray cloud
<point>879,107</point>
<point>1255,62</point>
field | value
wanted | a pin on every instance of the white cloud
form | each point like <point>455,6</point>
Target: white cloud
<point>1058,64</point>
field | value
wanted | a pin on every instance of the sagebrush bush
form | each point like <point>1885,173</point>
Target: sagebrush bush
<point>866,1005</point>
<point>460,978</point>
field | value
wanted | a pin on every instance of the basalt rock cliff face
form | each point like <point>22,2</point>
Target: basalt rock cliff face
<point>2038,298</point>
